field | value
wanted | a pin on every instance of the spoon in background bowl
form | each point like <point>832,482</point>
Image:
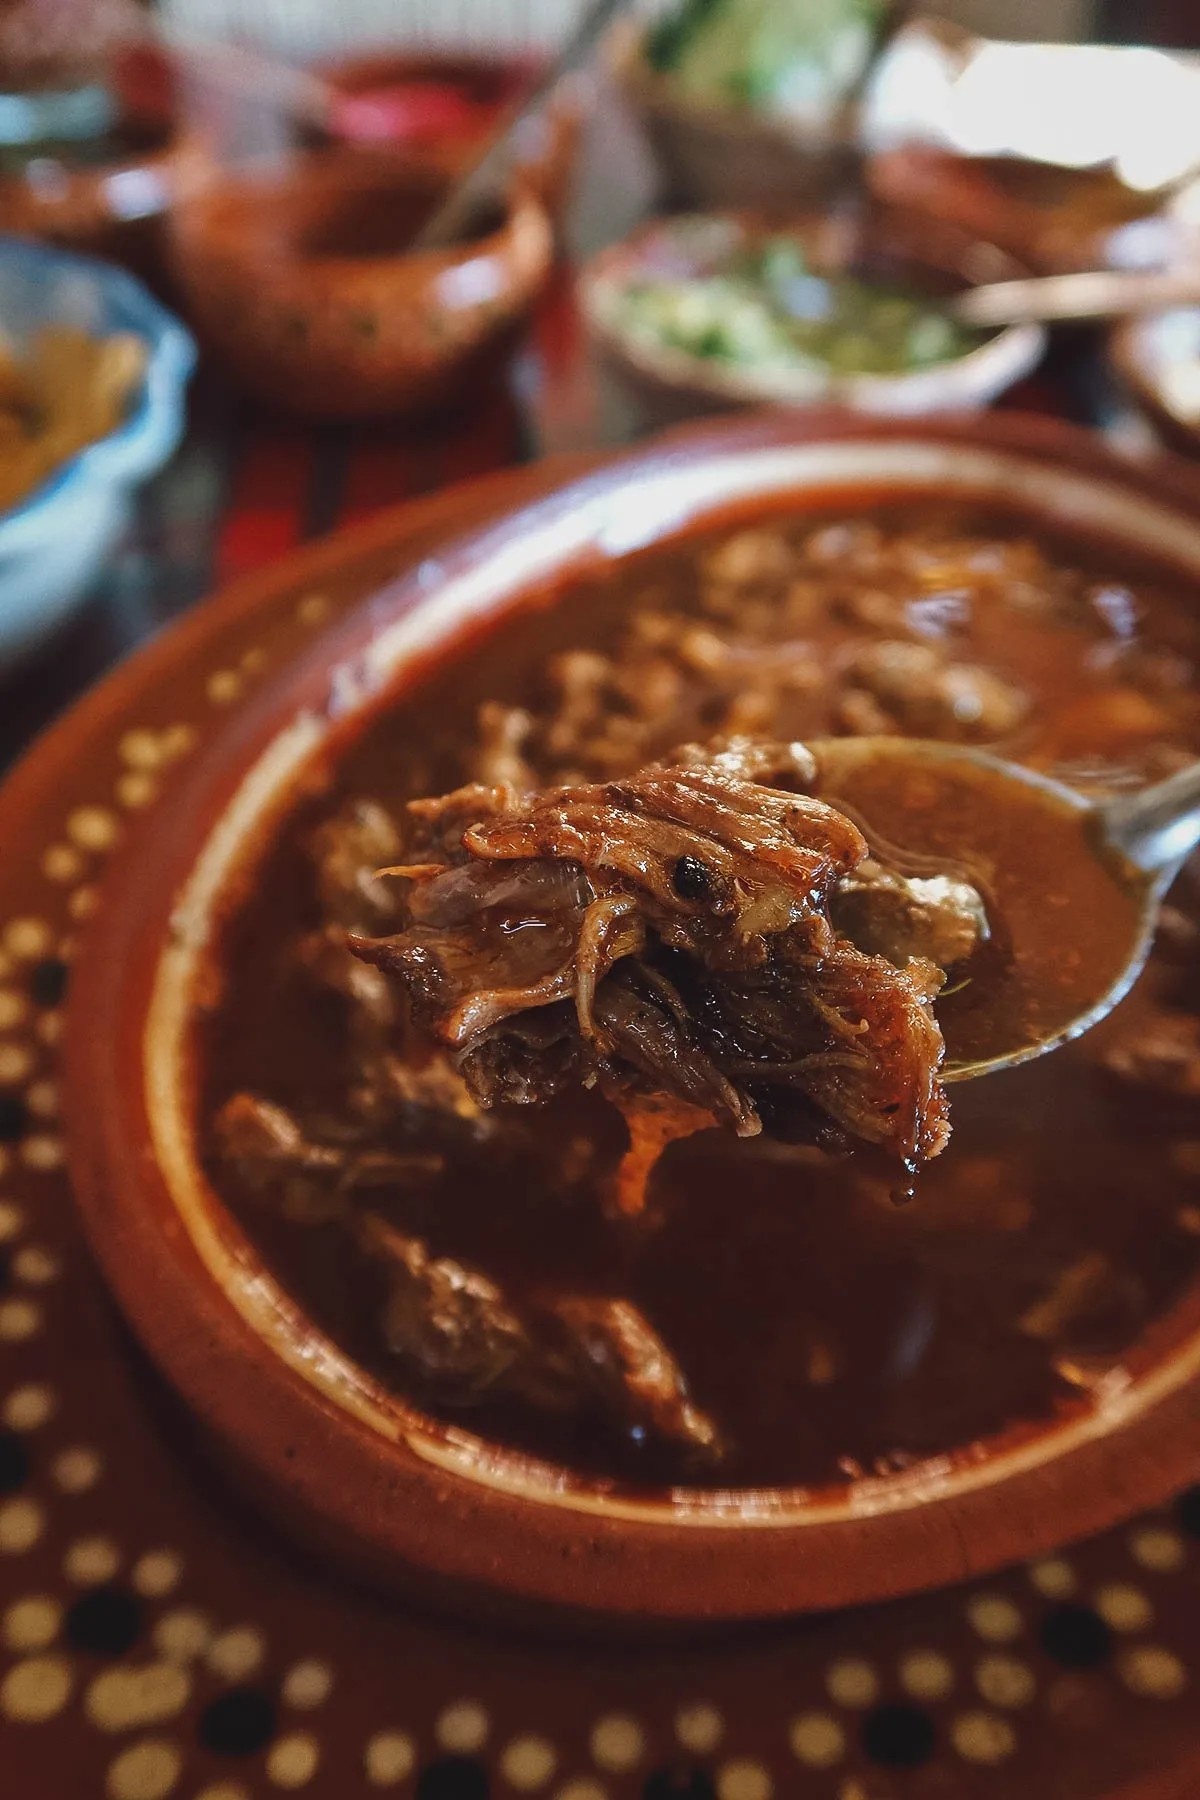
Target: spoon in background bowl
<point>405,110</point>
<point>1071,888</point>
<point>1090,294</point>
<point>481,181</point>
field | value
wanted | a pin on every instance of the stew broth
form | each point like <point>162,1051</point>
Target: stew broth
<point>829,1333</point>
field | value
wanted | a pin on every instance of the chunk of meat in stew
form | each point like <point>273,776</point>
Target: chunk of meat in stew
<point>635,1374</point>
<point>462,1340</point>
<point>666,936</point>
<point>310,1180</point>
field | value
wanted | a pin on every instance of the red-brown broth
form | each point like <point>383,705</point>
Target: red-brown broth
<point>1064,921</point>
<point>829,1332</point>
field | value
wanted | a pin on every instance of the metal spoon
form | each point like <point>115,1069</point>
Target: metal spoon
<point>1093,294</point>
<point>1075,935</point>
<point>483,179</point>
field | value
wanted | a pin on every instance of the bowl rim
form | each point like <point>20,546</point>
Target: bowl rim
<point>658,95</point>
<point>521,214</point>
<point>147,431</point>
<point>916,1530</point>
<point>987,369</point>
<point>944,182</point>
<point>1133,354</point>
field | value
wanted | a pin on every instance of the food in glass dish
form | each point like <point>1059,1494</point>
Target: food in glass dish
<point>763,307</point>
<point>67,391</point>
<point>770,1318</point>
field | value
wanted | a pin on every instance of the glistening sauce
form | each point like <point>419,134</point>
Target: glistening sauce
<point>828,1332</point>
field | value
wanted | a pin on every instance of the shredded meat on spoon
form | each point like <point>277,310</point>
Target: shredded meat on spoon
<point>666,936</point>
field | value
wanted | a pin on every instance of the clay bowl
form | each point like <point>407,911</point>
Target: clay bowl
<point>108,199</point>
<point>718,156</point>
<point>888,245</point>
<point>299,277</point>
<point>1055,219</point>
<point>371,1472</point>
<point>547,147</point>
<point>1157,357</point>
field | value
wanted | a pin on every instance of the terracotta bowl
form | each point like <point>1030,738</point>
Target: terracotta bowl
<point>111,204</point>
<point>1054,219</point>
<point>1157,357</point>
<point>371,1471</point>
<point>889,245</point>
<point>546,151</point>
<point>710,155</point>
<point>300,279</point>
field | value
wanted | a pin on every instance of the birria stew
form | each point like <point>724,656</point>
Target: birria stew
<point>577,1060</point>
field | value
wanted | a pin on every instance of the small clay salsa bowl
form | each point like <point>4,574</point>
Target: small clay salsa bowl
<point>997,1456</point>
<point>882,247</point>
<point>301,278</point>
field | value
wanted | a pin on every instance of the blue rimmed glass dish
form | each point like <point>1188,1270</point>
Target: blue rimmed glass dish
<point>53,545</point>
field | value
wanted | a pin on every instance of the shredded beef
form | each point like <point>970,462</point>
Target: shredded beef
<point>312,1180</point>
<point>1164,1055</point>
<point>635,1374</point>
<point>463,1340</point>
<point>450,1323</point>
<point>668,937</point>
<point>458,1335</point>
<point>345,851</point>
<point>922,694</point>
<point>939,918</point>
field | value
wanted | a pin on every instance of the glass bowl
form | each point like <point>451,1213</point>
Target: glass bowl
<point>54,542</point>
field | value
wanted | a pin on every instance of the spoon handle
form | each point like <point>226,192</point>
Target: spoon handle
<point>1093,294</point>
<point>480,182</point>
<point>1156,829</point>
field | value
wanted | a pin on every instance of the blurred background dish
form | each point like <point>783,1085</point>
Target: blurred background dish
<point>298,276</point>
<point>705,311</point>
<point>1157,357</point>
<point>54,542</point>
<point>1067,152</point>
<point>729,137</point>
<point>56,51</point>
<point>105,193</point>
<point>1055,218</point>
<point>1061,218</point>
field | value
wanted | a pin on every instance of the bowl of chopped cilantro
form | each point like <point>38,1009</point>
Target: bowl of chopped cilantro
<point>702,311</point>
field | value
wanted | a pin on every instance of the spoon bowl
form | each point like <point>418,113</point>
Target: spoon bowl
<point>1071,889</point>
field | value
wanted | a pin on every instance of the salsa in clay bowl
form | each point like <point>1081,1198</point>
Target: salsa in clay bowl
<point>522,1141</point>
